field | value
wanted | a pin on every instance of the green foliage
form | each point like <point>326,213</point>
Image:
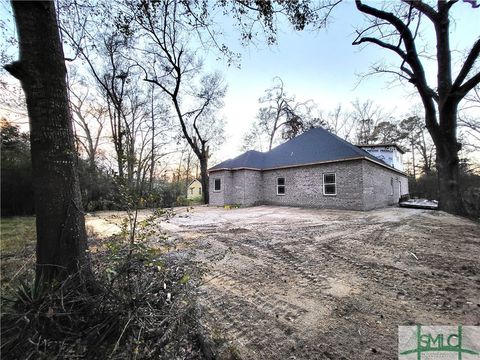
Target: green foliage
<point>98,187</point>
<point>16,169</point>
<point>198,200</point>
<point>101,190</point>
<point>141,306</point>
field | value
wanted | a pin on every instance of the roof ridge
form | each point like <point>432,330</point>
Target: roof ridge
<point>356,148</point>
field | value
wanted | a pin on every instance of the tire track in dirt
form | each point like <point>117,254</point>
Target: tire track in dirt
<point>304,268</point>
<point>331,287</point>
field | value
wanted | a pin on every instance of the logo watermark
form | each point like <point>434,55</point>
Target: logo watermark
<point>439,342</point>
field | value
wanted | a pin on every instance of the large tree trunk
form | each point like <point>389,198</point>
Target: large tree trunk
<point>448,182</point>
<point>61,236</point>
<point>447,161</point>
<point>204,178</point>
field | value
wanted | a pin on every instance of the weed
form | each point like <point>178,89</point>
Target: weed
<point>142,309</point>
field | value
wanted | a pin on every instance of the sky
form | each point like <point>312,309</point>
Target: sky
<point>321,65</point>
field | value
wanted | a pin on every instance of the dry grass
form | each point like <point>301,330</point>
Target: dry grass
<point>143,307</point>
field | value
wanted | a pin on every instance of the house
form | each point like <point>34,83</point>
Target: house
<point>315,169</point>
<point>194,190</point>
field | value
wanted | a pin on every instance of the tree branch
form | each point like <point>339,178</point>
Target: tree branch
<point>467,65</point>
<point>380,43</point>
<point>424,9</point>
<point>412,59</point>
<point>468,85</point>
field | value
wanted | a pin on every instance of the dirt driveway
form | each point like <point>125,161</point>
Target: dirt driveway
<point>290,283</point>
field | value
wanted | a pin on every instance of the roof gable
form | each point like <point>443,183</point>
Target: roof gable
<point>195,181</point>
<point>313,146</point>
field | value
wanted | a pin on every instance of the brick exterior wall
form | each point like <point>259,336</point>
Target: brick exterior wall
<point>247,186</point>
<point>240,187</point>
<point>381,187</point>
<point>222,197</point>
<point>360,185</point>
<point>304,186</point>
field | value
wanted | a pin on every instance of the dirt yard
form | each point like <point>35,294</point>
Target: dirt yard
<point>290,283</point>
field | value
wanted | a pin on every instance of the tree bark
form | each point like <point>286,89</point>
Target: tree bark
<point>204,178</point>
<point>448,182</point>
<point>61,236</point>
<point>447,162</point>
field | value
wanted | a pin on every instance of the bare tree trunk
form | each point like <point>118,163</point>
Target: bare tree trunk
<point>414,166</point>
<point>61,236</point>
<point>187,172</point>
<point>204,178</point>
<point>152,155</point>
<point>427,159</point>
<point>450,199</point>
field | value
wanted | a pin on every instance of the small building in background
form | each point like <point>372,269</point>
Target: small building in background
<point>194,190</point>
<point>390,154</point>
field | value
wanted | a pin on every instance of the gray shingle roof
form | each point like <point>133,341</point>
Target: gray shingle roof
<point>314,146</point>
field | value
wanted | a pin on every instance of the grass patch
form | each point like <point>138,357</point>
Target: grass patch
<point>17,233</point>
<point>140,306</point>
<point>17,246</point>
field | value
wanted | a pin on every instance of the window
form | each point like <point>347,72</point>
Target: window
<point>329,184</point>
<point>391,187</point>
<point>191,191</point>
<point>217,185</point>
<point>280,186</point>
<point>199,191</point>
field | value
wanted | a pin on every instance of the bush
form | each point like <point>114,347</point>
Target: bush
<point>142,307</point>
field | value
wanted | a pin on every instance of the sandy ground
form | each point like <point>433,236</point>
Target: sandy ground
<point>290,283</point>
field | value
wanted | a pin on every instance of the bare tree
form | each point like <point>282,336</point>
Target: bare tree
<point>90,117</point>
<point>253,139</point>
<point>339,122</point>
<point>281,116</point>
<point>397,31</point>
<point>175,69</point>
<point>469,121</point>
<point>12,102</point>
<point>136,117</point>
<point>412,131</point>
<point>365,117</point>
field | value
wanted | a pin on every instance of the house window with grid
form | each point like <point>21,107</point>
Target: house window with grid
<point>217,185</point>
<point>329,184</point>
<point>280,186</point>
